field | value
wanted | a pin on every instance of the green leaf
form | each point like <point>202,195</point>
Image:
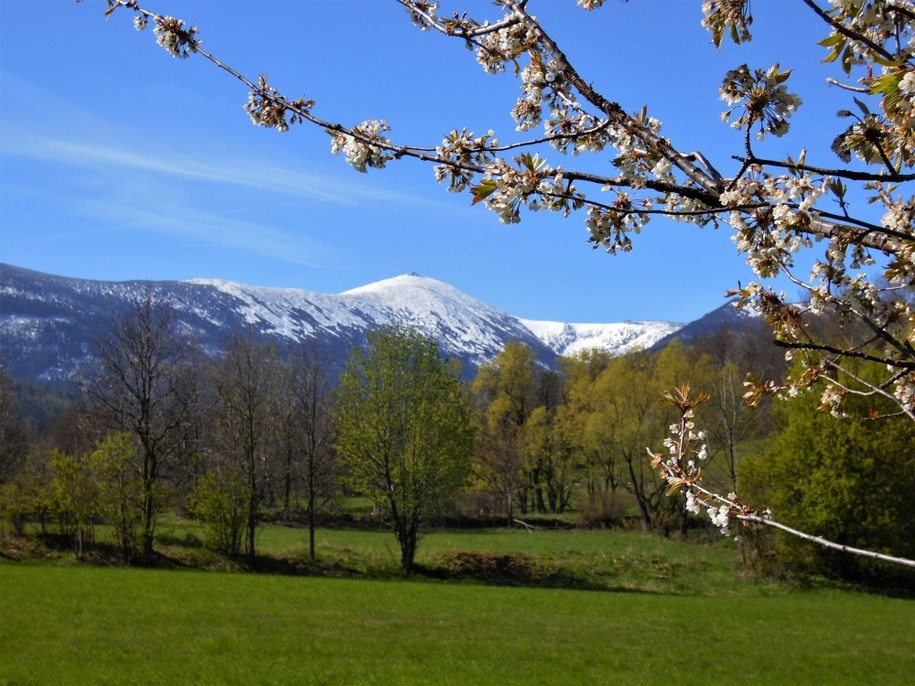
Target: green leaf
<point>483,190</point>
<point>781,77</point>
<point>847,58</point>
<point>883,83</point>
<point>532,162</point>
<point>837,188</point>
<point>862,107</point>
<point>830,41</point>
<point>831,57</point>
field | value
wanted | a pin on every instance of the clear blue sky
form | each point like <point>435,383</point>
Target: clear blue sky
<point>118,161</point>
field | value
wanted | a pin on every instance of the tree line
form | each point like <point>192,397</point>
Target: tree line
<point>247,433</point>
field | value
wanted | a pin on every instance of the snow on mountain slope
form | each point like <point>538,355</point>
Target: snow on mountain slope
<point>48,323</point>
<point>462,324</point>
<point>570,339</point>
<point>287,312</point>
<point>436,309</point>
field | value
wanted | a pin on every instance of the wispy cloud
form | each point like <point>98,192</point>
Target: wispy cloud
<point>214,229</point>
<point>111,157</point>
<point>82,139</point>
<point>190,185</point>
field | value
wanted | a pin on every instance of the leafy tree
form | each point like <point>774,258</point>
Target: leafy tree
<point>219,500</point>
<point>731,422</point>
<point>14,437</point>
<point>553,459</point>
<point>587,425</point>
<point>28,493</point>
<point>847,478</point>
<point>76,497</point>
<point>113,463</point>
<point>404,430</point>
<point>636,418</point>
<point>142,388</point>
<point>506,389</point>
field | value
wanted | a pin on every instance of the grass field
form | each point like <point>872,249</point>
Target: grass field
<point>687,616</point>
<point>610,560</point>
<point>90,625</point>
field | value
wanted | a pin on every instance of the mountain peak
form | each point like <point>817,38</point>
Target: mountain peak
<point>411,280</point>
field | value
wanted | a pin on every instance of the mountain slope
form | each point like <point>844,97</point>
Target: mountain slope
<point>48,323</point>
<point>571,339</point>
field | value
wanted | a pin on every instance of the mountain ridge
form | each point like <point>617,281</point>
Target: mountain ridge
<point>48,322</point>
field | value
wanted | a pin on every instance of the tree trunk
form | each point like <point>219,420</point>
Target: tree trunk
<point>311,508</point>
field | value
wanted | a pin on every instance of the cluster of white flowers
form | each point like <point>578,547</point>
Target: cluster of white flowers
<point>719,16</point>
<point>721,517</point>
<point>680,471</point>
<point>907,83</point>
<point>578,132</point>
<point>610,227</point>
<point>422,13</point>
<point>761,98</point>
<point>831,399</point>
<point>904,391</point>
<point>635,160</point>
<point>900,215</point>
<point>876,21</point>
<point>363,147</point>
<point>505,189</point>
<point>503,45</point>
<point>174,38</point>
<point>266,106</point>
<point>462,149</point>
<point>557,195</point>
<point>542,82</point>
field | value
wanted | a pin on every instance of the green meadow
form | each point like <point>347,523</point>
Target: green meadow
<point>646,611</point>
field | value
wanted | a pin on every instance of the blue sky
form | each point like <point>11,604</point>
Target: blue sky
<point>118,161</point>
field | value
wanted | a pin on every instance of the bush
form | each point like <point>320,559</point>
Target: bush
<point>220,504</point>
<point>849,479</point>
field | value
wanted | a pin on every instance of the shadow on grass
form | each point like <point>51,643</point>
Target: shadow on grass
<point>187,552</point>
<point>504,569</point>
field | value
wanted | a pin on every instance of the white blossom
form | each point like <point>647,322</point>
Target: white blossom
<point>907,83</point>
<point>360,152</point>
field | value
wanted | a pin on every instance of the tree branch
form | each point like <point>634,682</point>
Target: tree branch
<point>843,173</point>
<point>826,543</point>
<point>848,33</point>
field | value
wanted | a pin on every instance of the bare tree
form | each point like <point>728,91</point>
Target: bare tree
<point>140,388</point>
<point>309,432</point>
<point>246,384</point>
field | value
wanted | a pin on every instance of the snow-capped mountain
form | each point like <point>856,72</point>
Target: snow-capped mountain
<point>571,339</point>
<point>48,323</point>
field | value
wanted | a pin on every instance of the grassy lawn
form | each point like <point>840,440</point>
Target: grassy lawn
<point>91,625</point>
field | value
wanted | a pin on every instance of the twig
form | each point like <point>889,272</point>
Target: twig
<point>527,526</point>
<point>827,543</point>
